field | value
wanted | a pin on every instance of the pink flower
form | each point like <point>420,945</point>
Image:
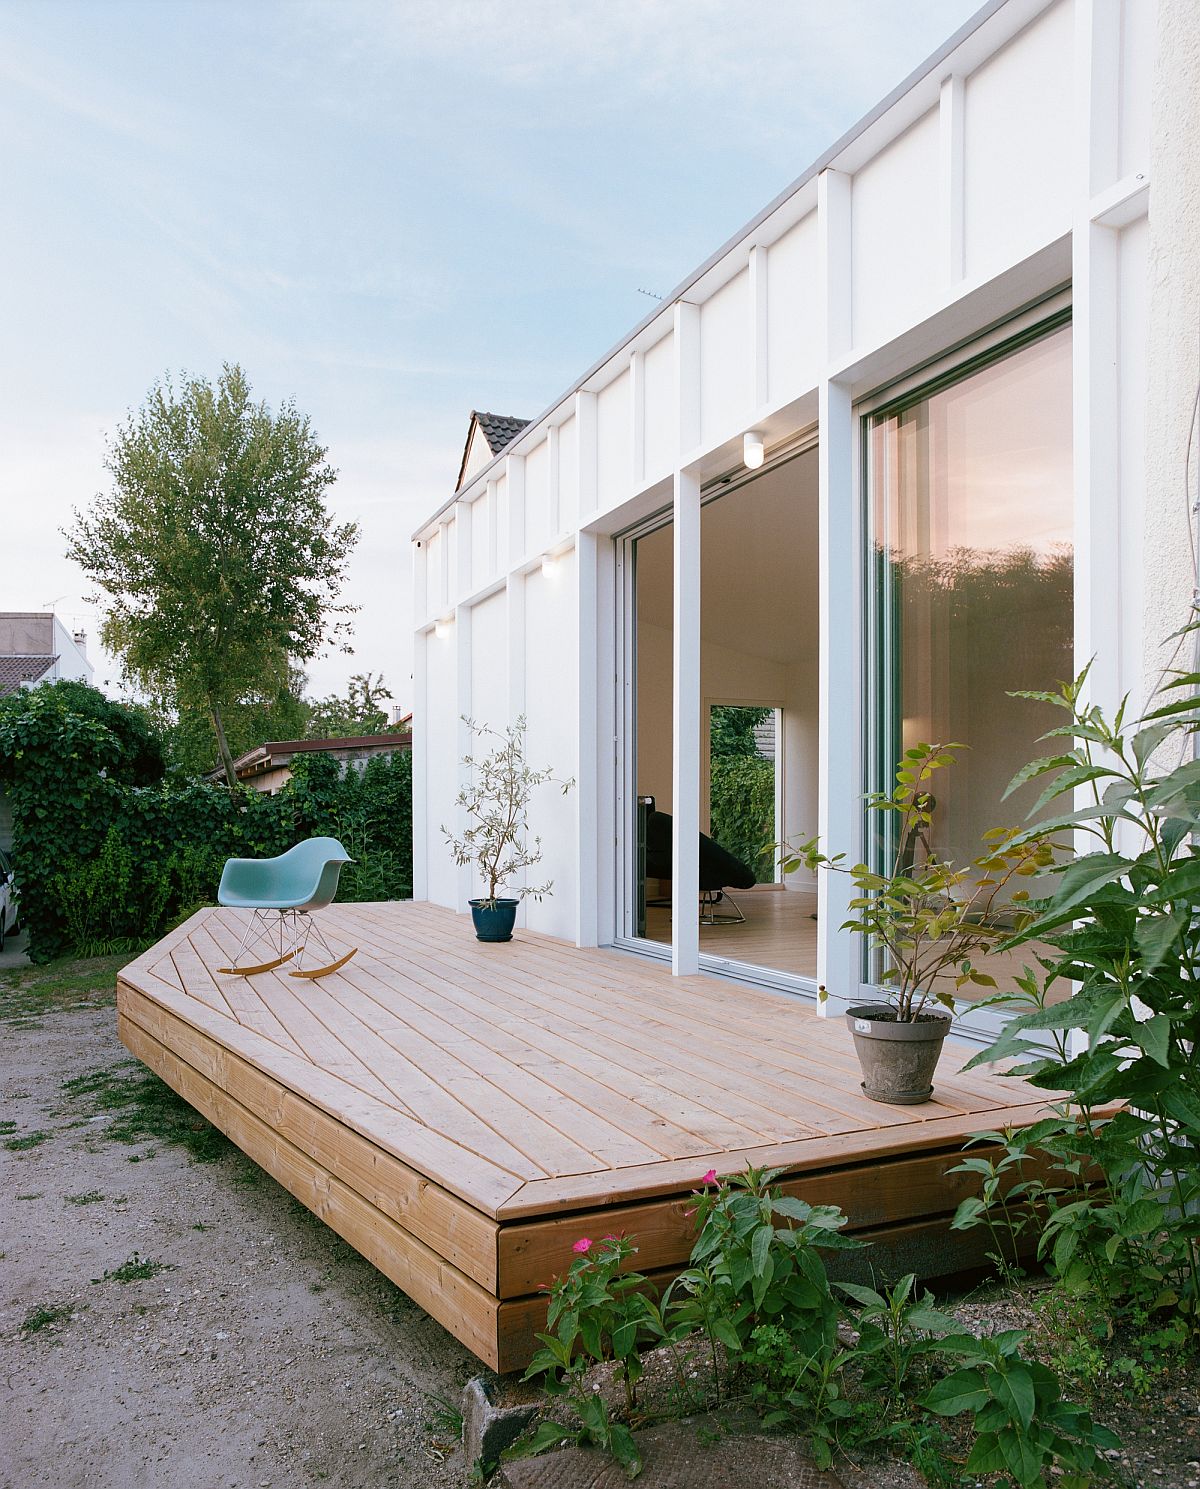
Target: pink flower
<point>612,1238</point>
<point>710,1177</point>
<point>582,1246</point>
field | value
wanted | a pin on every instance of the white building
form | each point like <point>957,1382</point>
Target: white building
<point>35,647</point>
<point>884,457</point>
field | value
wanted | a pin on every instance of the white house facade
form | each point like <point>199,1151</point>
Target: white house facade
<point>880,461</point>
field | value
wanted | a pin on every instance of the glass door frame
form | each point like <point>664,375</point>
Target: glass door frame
<point>625,743</point>
<point>880,720</point>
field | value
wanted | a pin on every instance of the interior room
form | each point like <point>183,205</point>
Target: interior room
<point>758,673</point>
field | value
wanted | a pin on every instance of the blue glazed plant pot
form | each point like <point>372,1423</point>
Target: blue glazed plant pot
<point>494,919</point>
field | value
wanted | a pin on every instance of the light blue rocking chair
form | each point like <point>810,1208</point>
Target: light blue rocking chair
<point>282,893</point>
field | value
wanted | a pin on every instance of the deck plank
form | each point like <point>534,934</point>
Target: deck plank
<point>462,1112</point>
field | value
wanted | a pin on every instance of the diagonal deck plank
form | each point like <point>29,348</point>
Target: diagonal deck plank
<point>460,1111</point>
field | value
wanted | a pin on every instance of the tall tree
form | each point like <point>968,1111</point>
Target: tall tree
<point>214,548</point>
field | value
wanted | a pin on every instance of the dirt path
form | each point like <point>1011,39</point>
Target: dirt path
<point>264,1352</point>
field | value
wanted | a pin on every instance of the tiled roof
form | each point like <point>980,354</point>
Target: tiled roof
<point>499,429</point>
<point>17,670</point>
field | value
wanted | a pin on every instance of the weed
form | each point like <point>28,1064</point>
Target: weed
<point>6,1128</point>
<point>145,1107</point>
<point>30,1140</point>
<point>88,1197</point>
<point>44,1315</point>
<point>444,1419</point>
<point>29,1196</point>
<point>136,1269</point>
<point>69,983</point>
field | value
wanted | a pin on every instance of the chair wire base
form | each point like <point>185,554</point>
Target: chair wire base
<point>290,931</point>
<point>710,915</point>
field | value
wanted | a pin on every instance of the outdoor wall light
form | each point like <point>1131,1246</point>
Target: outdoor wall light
<point>549,565</point>
<point>441,627</point>
<point>752,450</point>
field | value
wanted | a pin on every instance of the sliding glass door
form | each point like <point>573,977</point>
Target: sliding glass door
<point>972,516</point>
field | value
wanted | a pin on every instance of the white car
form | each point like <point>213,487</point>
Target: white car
<point>8,898</point>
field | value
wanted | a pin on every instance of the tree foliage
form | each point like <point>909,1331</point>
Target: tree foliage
<point>361,711</point>
<point>214,551</point>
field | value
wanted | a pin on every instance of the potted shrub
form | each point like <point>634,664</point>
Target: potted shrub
<point>495,841</point>
<point>929,919</point>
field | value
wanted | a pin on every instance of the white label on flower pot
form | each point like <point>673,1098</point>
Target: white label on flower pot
<point>862,1026</point>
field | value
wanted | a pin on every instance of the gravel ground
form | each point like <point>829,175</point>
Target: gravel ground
<point>264,1353</point>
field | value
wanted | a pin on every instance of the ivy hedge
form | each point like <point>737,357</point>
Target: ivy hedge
<point>109,850</point>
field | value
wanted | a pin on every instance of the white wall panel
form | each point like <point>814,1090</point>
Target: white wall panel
<point>614,442</point>
<point>537,498</point>
<point>658,373</point>
<point>480,555</point>
<point>1018,144</point>
<point>726,360</point>
<point>441,765</point>
<point>894,234</point>
<point>568,475</point>
<point>435,589</point>
<point>795,302</point>
<point>1137,81</point>
<point>503,556</point>
<point>550,704</point>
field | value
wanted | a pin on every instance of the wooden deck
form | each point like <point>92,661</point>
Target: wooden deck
<point>463,1113</point>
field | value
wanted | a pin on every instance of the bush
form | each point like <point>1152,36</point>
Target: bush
<point>742,810</point>
<point>107,852</point>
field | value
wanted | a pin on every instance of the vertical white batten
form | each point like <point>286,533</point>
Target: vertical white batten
<point>840,781</point>
<point>587,820</point>
<point>1096,416</point>
<point>420,755</point>
<point>685,682</point>
<point>553,491</point>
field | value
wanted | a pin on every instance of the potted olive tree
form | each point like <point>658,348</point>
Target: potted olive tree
<point>929,919</point>
<point>495,841</point>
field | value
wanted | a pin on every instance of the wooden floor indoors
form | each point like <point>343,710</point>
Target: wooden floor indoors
<point>463,1113</point>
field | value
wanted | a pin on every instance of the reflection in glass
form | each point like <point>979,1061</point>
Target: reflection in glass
<point>973,505</point>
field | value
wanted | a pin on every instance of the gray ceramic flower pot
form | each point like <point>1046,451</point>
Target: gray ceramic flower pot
<point>898,1060</point>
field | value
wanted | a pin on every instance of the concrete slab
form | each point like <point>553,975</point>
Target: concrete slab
<point>678,1456</point>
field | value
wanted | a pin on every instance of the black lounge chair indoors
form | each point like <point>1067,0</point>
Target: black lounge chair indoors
<point>720,871</point>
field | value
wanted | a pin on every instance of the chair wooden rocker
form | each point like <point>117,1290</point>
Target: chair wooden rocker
<point>282,893</point>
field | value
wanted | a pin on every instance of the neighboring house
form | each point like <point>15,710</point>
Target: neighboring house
<point>487,436</point>
<point>268,767</point>
<point>35,648</point>
<point>916,437</point>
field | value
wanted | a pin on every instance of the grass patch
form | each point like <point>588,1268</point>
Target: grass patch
<point>6,1128</point>
<point>44,1315</point>
<point>144,1107</point>
<point>136,1269</point>
<point>29,1196</point>
<point>71,982</point>
<point>88,1197</point>
<point>30,1140</point>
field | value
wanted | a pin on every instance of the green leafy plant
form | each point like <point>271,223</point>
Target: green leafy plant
<point>1024,1427</point>
<point>929,917</point>
<point>598,1312</point>
<point>1118,936</point>
<point>896,1328</point>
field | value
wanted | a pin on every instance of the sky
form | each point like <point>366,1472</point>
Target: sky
<point>388,211</point>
